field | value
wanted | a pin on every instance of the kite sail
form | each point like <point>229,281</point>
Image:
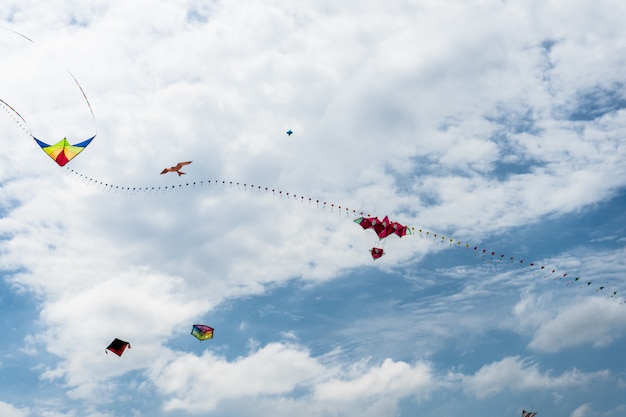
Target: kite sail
<point>202,332</point>
<point>383,228</point>
<point>117,346</point>
<point>528,413</point>
<point>61,152</point>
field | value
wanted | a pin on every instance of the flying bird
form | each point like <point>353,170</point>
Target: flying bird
<point>176,168</point>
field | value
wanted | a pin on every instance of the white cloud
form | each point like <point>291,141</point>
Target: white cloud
<point>7,410</point>
<point>285,378</point>
<point>595,321</point>
<point>516,374</point>
<point>199,383</point>
<point>582,411</point>
<point>387,383</point>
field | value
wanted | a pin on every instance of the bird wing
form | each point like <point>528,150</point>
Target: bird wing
<point>181,164</point>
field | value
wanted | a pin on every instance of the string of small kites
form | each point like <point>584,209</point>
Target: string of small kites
<point>485,255</point>
<point>67,152</point>
<point>131,191</point>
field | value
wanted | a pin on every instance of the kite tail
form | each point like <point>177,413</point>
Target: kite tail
<point>82,91</point>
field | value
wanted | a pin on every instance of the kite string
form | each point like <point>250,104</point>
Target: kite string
<point>491,257</point>
<point>21,122</point>
<point>82,91</point>
<point>133,191</point>
<point>486,256</point>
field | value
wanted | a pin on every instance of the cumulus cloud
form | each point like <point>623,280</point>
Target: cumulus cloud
<point>593,321</point>
<point>582,411</point>
<point>517,374</point>
<point>286,377</point>
<point>274,369</point>
<point>7,410</point>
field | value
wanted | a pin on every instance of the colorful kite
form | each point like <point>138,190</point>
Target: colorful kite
<point>62,152</point>
<point>528,413</point>
<point>202,332</point>
<point>176,168</point>
<point>117,346</point>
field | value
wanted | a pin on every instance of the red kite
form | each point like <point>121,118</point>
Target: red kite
<point>117,346</point>
<point>383,228</point>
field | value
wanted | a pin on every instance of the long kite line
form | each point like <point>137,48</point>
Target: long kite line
<point>61,152</point>
<point>132,191</point>
<point>486,255</point>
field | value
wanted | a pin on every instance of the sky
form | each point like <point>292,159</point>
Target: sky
<point>494,125</point>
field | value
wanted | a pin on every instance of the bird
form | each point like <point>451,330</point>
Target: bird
<point>176,168</point>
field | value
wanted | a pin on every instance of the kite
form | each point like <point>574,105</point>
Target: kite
<point>289,132</point>
<point>61,152</point>
<point>176,168</point>
<point>202,332</point>
<point>117,346</point>
<point>383,228</point>
<point>528,413</point>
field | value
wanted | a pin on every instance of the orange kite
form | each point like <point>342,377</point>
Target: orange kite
<point>176,168</point>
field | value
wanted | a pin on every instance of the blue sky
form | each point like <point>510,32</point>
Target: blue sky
<point>498,125</point>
